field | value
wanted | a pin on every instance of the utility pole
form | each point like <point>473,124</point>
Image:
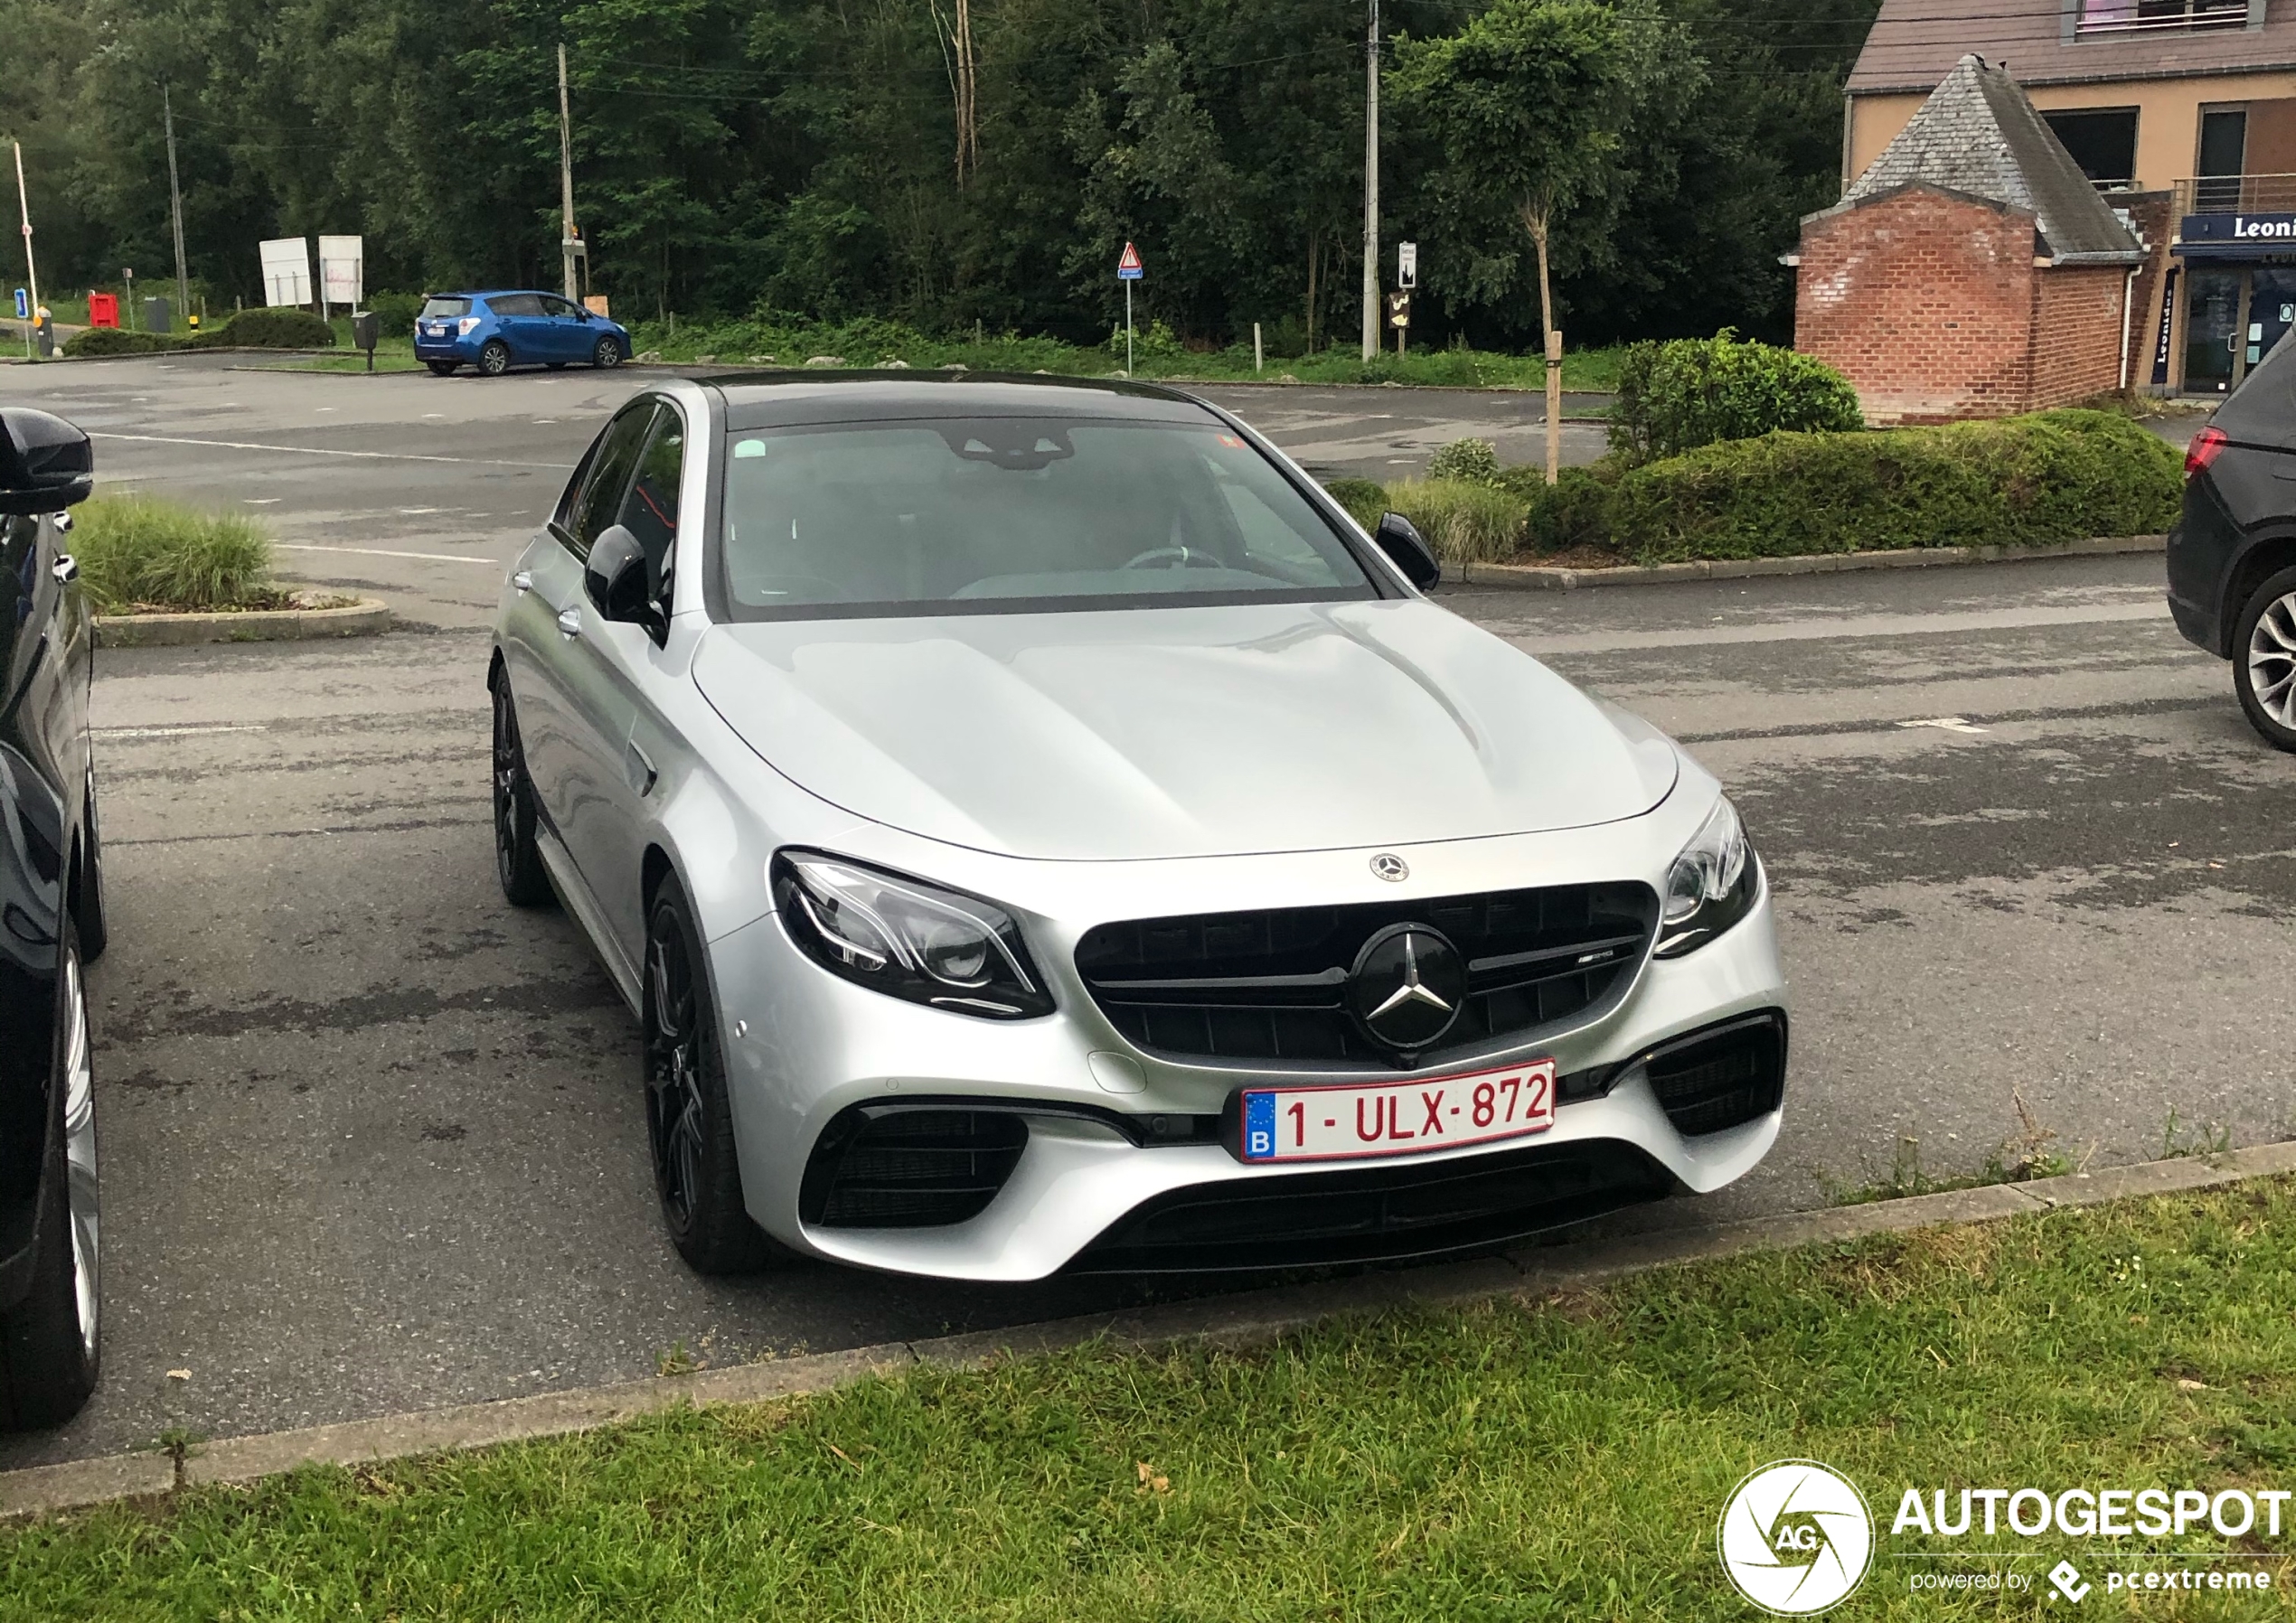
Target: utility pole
<point>566,178</point>
<point>175,208</point>
<point>31,272</point>
<point>1372,187</point>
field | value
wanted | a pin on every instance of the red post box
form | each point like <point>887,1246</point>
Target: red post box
<point>103,309</point>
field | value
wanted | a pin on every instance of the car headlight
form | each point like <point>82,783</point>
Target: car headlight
<point>1711,885</point>
<point>905,938</point>
<point>466,326</point>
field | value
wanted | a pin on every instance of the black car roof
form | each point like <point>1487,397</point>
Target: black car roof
<point>783,398</point>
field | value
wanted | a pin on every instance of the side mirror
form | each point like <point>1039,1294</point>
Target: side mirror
<point>46,464</point>
<point>1407,550</point>
<point>618,581</point>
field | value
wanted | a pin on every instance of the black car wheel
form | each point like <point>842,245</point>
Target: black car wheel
<point>695,1170</point>
<point>518,860</point>
<point>443,368</point>
<point>608,353</point>
<point>51,1343</point>
<point>495,358</point>
<point>2263,660</point>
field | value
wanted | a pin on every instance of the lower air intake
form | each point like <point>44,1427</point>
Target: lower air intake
<point>888,1167</point>
<point>1724,1076</point>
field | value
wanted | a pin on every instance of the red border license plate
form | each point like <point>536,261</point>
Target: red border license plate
<point>1350,1122</point>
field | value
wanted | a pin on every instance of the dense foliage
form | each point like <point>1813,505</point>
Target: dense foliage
<point>287,329</point>
<point>1677,396</point>
<point>793,156</point>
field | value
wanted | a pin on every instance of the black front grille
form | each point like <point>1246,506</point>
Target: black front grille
<point>1271,984</point>
<point>1724,1076</point>
<point>891,1167</point>
<point>1379,1214</point>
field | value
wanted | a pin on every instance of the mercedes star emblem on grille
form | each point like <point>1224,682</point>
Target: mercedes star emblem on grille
<point>1390,866</point>
<point>1408,986</point>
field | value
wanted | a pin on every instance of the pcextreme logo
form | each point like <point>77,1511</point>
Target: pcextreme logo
<point>1796,1538</point>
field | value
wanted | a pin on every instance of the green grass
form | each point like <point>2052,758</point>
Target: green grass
<point>1560,1458</point>
<point>143,550</point>
<point>1464,522</point>
<point>1156,354</point>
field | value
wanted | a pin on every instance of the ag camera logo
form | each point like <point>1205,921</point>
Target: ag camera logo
<point>1796,1538</point>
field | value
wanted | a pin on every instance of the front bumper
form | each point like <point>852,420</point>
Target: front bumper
<point>802,1046</point>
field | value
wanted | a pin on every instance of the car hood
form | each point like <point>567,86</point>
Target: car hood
<point>1181,732</point>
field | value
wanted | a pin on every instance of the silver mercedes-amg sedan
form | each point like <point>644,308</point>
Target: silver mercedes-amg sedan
<point>1036,828</point>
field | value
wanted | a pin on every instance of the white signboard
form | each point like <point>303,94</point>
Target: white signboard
<point>1406,264</point>
<point>343,270</point>
<point>286,270</point>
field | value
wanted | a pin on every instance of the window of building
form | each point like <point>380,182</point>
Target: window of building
<point>2121,16</point>
<point>2102,141</point>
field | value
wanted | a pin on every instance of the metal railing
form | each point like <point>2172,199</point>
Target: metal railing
<point>2235,195</point>
<point>2147,16</point>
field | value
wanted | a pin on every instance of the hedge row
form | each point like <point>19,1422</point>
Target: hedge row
<point>2052,476</point>
<point>248,330</point>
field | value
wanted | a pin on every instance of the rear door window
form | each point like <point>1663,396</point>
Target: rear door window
<point>516,303</point>
<point>599,501</point>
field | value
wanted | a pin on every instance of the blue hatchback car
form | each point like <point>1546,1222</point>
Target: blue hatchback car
<point>495,331</point>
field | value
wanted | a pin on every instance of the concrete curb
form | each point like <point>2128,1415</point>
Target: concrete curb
<point>1250,1319</point>
<point>363,618</point>
<point>1527,578</point>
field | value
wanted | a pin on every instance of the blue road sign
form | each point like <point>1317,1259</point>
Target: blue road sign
<point>23,305</point>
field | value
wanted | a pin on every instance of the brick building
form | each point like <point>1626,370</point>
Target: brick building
<point>1973,270</point>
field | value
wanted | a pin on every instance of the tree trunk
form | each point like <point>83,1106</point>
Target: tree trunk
<point>1535,212</point>
<point>1315,245</point>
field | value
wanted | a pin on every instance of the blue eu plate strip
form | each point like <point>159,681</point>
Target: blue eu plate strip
<point>1259,1127</point>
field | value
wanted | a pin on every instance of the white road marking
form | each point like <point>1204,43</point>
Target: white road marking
<point>443,557</point>
<point>260,501</point>
<point>178,732</point>
<point>241,445</point>
<point>1951,724</point>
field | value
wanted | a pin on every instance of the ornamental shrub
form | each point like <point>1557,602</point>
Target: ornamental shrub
<point>286,328</point>
<point>395,314</point>
<point>116,341</point>
<point>2052,476</point>
<point>1365,499</point>
<point>1572,512</point>
<point>1677,396</point>
<point>1465,523</point>
<point>145,549</point>
<point>1476,461</point>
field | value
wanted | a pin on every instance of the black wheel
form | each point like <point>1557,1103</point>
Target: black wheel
<point>608,353</point>
<point>518,860</point>
<point>2263,660</point>
<point>687,1119</point>
<point>443,368</point>
<point>495,358</point>
<point>51,1343</point>
<point>95,925</point>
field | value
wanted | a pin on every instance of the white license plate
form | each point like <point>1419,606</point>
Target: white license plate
<point>1351,1122</point>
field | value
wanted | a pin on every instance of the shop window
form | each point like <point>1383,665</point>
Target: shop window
<point>2102,141</point>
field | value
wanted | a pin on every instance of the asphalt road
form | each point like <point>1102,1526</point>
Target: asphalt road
<point>373,1140</point>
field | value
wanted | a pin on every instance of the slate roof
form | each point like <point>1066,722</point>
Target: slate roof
<point>1915,44</point>
<point>1978,134</point>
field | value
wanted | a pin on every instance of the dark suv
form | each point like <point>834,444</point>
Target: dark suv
<point>2232,553</point>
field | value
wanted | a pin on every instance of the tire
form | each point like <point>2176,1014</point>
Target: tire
<point>89,916</point>
<point>51,1343</point>
<point>443,368</point>
<point>494,360</point>
<point>2263,660</point>
<point>607,355</point>
<point>518,860</point>
<point>689,1124</point>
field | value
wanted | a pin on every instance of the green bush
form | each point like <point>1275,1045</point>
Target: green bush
<point>144,550</point>
<point>1675,397</point>
<point>1572,512</point>
<point>1465,523</point>
<point>1476,461</point>
<point>287,328</point>
<point>116,341</point>
<point>1365,499</point>
<point>395,314</point>
<point>2053,476</point>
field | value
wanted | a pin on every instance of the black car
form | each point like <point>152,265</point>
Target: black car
<point>51,922</point>
<point>2232,553</point>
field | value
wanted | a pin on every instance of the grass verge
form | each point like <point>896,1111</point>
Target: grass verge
<point>143,553</point>
<point>1558,1458</point>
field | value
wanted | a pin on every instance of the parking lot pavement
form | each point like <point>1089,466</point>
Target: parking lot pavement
<point>372,1138</point>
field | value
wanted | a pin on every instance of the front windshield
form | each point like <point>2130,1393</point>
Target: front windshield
<point>994,515</point>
